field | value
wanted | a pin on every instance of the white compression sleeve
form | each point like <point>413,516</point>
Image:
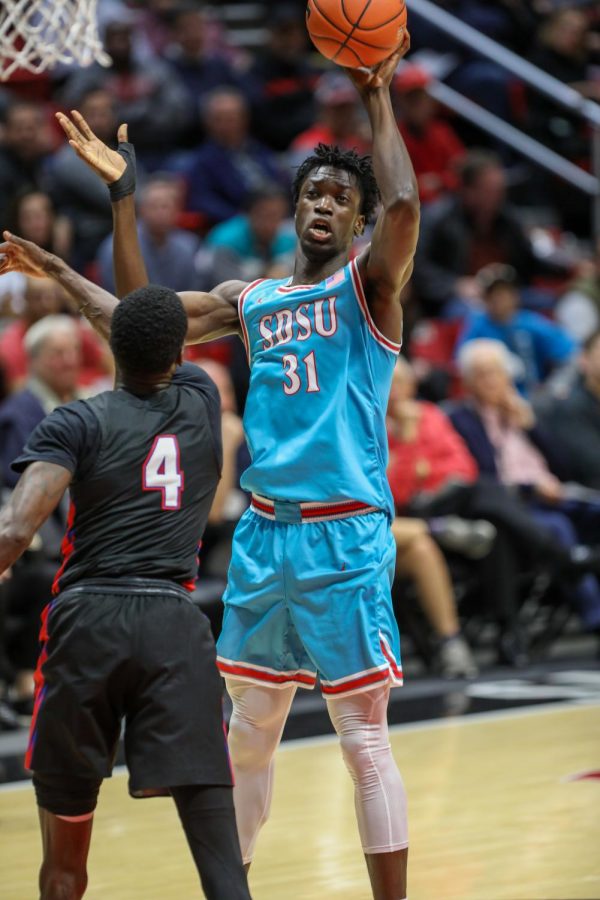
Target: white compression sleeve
<point>379,796</point>
<point>259,714</point>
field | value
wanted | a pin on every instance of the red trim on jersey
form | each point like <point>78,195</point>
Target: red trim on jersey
<point>263,507</point>
<point>362,302</point>
<point>312,510</point>
<point>260,674</point>
<point>396,670</point>
<point>241,300</point>
<point>40,685</point>
<point>354,683</point>
<point>334,509</point>
<point>67,548</point>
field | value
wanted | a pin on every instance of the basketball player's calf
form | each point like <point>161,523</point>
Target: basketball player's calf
<point>66,812</point>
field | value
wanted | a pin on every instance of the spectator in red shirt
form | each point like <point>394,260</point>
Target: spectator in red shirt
<point>338,120</point>
<point>434,148</point>
<point>425,450</point>
<point>42,299</point>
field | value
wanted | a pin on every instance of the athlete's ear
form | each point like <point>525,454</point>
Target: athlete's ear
<point>180,357</point>
<point>359,226</point>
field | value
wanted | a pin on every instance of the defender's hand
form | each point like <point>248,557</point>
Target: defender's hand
<point>19,255</point>
<point>106,163</point>
<point>380,76</point>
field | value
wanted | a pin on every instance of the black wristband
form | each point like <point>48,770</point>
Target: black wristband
<point>124,185</point>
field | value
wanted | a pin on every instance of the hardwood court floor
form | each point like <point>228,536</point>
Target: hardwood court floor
<point>493,817</point>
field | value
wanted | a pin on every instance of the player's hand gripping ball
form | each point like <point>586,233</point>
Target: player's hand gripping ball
<point>356,33</point>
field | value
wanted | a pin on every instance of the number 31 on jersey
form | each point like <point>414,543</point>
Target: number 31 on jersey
<point>162,472</point>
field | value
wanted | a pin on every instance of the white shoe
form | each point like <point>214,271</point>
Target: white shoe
<point>455,659</point>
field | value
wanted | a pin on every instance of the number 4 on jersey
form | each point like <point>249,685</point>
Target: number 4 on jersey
<point>162,472</point>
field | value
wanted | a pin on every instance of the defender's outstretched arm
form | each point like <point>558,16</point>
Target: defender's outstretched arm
<point>211,315</point>
<point>388,265</point>
<point>96,304</point>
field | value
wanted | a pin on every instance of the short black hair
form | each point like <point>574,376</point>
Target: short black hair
<point>148,330</point>
<point>497,275</point>
<point>361,167</point>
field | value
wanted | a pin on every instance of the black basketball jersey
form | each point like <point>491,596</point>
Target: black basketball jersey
<point>145,470</point>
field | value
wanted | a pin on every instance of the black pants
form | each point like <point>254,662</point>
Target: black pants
<point>520,542</point>
<point>208,819</point>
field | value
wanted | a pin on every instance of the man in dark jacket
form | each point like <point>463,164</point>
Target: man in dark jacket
<point>473,229</point>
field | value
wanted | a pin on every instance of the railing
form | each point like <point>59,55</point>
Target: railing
<point>536,78</point>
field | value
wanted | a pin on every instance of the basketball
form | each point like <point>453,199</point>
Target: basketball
<point>355,33</point>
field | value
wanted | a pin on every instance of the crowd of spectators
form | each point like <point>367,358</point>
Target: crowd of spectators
<point>502,313</point>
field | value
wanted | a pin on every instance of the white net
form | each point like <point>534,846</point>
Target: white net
<point>37,34</point>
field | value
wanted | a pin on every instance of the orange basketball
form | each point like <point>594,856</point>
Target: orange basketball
<point>355,33</point>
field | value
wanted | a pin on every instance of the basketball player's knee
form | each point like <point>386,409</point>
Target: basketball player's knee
<point>251,745</point>
<point>356,754</point>
<point>58,883</point>
<point>365,755</point>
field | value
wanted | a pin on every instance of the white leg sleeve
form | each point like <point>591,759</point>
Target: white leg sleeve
<point>259,714</point>
<point>379,796</point>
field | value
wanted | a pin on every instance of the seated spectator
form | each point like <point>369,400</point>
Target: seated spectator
<point>425,450</point>
<point>53,350</point>
<point>24,150</point>
<point>434,147</point>
<point>419,558</point>
<point>258,243</point>
<point>428,461</point>
<point>230,165</point>
<point>462,234</point>
<point>537,343</point>
<point>575,418</point>
<point>148,95</point>
<point>283,79</point>
<point>42,298</point>
<point>32,216</point>
<point>578,310</point>
<point>75,189</point>
<point>339,120</point>
<point>438,486</point>
<point>191,56</point>
<point>168,251</point>
<point>510,447</point>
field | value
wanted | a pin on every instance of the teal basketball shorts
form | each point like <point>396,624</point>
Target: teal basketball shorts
<point>309,596</point>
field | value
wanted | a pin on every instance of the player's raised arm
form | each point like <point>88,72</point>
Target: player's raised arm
<point>96,304</point>
<point>35,497</point>
<point>388,265</point>
<point>211,315</point>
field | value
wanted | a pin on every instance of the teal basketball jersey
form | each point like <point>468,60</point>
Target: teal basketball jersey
<point>320,377</point>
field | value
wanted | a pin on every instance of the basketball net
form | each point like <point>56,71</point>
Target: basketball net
<point>37,34</point>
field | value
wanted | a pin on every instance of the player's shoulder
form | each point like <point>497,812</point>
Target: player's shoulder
<point>83,410</point>
<point>192,376</point>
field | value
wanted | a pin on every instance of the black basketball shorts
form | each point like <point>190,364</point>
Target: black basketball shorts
<point>139,652</point>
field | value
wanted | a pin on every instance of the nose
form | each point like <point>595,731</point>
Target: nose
<point>324,205</point>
